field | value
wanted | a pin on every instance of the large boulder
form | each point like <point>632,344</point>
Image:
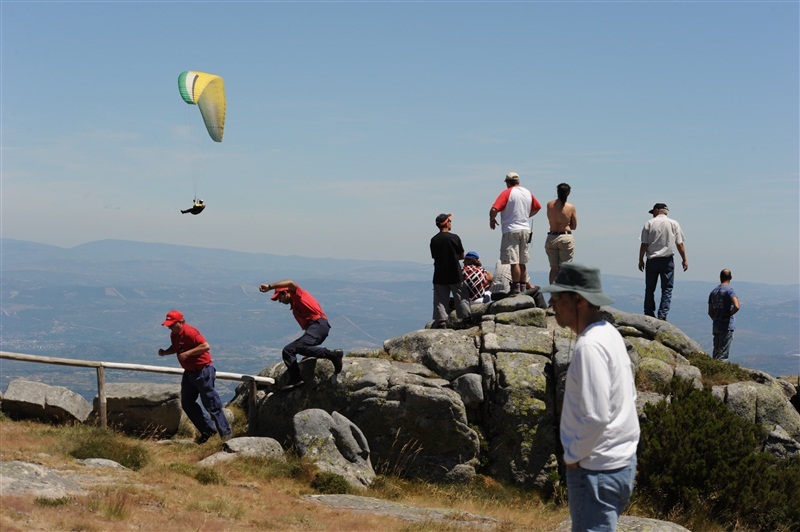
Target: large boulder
<point>51,404</point>
<point>245,446</point>
<point>520,419</point>
<point>335,445</point>
<point>142,408</point>
<point>448,353</point>
<point>403,409</point>
<point>764,404</point>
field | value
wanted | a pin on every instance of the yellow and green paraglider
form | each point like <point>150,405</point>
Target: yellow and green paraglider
<point>206,91</point>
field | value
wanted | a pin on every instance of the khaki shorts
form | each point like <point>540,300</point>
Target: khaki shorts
<point>514,247</point>
<point>559,248</point>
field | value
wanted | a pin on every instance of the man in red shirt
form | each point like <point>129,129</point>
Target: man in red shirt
<point>312,320</point>
<point>194,355</point>
<point>516,204</point>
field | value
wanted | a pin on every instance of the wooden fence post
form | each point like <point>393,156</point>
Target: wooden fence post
<point>101,396</point>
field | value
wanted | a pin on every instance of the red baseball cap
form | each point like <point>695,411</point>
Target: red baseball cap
<point>277,292</point>
<point>172,317</point>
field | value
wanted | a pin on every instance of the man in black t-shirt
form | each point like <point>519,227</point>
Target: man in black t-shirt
<point>447,251</point>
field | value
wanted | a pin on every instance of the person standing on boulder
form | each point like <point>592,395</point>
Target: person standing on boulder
<point>660,235</point>
<point>516,204</point>
<point>446,252</point>
<point>312,320</point>
<point>563,220</point>
<point>723,303</point>
<point>599,424</point>
<point>199,375</point>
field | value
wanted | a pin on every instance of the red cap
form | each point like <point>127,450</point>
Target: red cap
<point>277,292</point>
<point>172,317</point>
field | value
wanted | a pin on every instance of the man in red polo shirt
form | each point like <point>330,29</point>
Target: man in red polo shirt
<point>312,320</point>
<point>194,356</point>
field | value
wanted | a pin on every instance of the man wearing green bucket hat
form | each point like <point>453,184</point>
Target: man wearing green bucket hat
<point>599,424</point>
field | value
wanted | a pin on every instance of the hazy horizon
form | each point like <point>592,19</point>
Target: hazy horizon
<point>106,301</point>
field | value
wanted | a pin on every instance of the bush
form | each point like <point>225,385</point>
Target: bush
<point>47,501</point>
<point>717,372</point>
<point>207,475</point>
<point>330,483</point>
<point>698,459</point>
<point>203,475</point>
<point>102,443</point>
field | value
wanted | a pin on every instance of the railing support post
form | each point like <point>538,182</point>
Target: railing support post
<point>101,396</point>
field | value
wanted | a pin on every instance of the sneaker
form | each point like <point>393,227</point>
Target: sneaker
<point>336,357</point>
<point>204,437</point>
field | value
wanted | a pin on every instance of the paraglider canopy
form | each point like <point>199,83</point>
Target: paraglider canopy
<point>207,91</point>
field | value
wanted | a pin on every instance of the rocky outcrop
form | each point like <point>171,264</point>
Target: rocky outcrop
<point>18,478</point>
<point>335,445</point>
<point>245,446</point>
<point>143,408</point>
<point>51,404</point>
<point>486,394</point>
<point>415,423</point>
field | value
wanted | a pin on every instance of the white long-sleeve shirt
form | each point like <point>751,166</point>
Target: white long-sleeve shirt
<point>599,424</point>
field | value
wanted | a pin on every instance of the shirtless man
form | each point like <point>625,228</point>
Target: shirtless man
<point>560,246</point>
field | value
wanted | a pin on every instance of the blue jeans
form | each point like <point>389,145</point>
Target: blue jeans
<point>596,498</point>
<point>722,344</point>
<point>308,344</point>
<point>201,383</point>
<point>663,268</point>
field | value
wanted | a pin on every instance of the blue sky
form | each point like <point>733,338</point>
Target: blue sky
<point>351,125</point>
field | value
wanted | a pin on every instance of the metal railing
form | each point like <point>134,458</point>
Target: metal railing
<point>101,367</point>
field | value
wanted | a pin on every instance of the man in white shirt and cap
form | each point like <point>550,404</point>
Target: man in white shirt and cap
<point>660,236</point>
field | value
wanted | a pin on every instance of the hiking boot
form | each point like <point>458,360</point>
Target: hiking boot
<point>336,357</point>
<point>514,290</point>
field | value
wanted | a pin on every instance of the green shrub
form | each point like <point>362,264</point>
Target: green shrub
<point>207,475</point>
<point>47,501</point>
<point>330,483</point>
<point>698,458</point>
<point>101,443</point>
<point>717,372</point>
<point>267,467</point>
<point>203,475</point>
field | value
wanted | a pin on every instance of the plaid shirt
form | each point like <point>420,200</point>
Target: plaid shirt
<point>475,281</point>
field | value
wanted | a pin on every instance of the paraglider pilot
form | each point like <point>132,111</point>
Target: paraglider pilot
<point>197,208</point>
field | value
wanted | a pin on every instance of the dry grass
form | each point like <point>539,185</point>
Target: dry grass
<point>256,495</point>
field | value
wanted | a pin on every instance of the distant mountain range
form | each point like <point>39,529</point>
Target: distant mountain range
<point>106,300</point>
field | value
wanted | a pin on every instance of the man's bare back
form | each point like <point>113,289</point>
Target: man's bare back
<point>562,216</point>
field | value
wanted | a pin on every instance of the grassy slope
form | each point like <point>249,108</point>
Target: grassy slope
<point>253,494</point>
